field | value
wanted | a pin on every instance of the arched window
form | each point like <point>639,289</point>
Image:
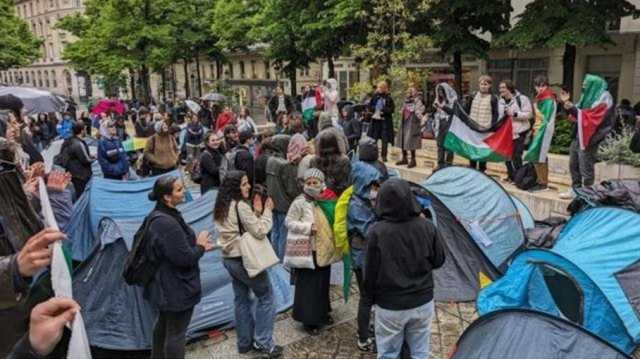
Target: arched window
<point>54,80</point>
<point>39,78</point>
<point>46,79</point>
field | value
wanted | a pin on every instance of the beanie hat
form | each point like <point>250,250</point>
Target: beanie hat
<point>313,173</point>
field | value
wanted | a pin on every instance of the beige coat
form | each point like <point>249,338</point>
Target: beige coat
<point>258,226</point>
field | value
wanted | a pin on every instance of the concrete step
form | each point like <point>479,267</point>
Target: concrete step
<point>542,204</point>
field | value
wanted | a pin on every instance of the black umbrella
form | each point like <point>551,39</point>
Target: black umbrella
<point>10,102</point>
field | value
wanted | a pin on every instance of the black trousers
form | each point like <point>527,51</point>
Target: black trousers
<point>364,307</point>
<point>516,162</point>
<point>480,166</point>
<point>79,185</point>
<point>169,334</point>
<point>155,171</point>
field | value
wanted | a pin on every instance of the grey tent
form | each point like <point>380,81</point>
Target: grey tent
<point>527,334</point>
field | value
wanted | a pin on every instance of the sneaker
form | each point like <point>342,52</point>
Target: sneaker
<point>367,345</point>
<point>567,195</point>
<point>275,352</point>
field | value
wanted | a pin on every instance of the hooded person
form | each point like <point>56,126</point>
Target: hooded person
<point>360,216</point>
<point>593,119</point>
<point>326,125</point>
<point>403,249</point>
<point>161,150</point>
<point>331,97</point>
<point>368,153</point>
<point>311,303</point>
<point>446,96</point>
<point>332,161</point>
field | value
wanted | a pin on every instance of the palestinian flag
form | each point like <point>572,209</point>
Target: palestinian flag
<point>543,128</point>
<point>593,106</point>
<point>309,106</point>
<point>466,139</point>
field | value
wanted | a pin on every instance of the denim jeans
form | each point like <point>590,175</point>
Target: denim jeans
<point>411,325</point>
<point>279,234</point>
<point>252,328</point>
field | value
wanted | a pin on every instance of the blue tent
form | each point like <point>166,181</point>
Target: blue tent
<point>591,277</point>
<point>481,227</point>
<point>101,233</point>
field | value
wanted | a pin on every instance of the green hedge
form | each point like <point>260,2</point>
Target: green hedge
<point>561,136</point>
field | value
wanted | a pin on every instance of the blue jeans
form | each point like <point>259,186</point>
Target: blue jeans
<point>252,328</point>
<point>412,326</point>
<point>279,234</point>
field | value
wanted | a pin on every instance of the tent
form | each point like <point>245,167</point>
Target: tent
<point>591,276</point>
<point>528,221</point>
<point>100,235</point>
<point>481,228</point>
<point>525,334</point>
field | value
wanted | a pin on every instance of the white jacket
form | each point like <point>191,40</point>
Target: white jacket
<point>300,219</point>
<point>522,112</point>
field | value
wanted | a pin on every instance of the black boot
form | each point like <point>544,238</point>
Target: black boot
<point>413,163</point>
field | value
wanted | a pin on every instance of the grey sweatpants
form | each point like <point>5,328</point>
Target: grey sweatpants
<point>582,164</point>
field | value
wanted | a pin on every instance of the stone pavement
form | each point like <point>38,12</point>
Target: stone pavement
<point>339,340</point>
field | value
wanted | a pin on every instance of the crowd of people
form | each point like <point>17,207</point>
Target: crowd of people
<point>284,187</point>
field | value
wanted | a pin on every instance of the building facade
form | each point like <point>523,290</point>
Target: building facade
<point>50,72</point>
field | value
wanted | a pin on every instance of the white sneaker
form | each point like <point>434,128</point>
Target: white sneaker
<point>567,195</point>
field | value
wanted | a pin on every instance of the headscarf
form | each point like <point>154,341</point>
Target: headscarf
<point>450,94</point>
<point>592,89</point>
<point>298,148</point>
<point>314,191</point>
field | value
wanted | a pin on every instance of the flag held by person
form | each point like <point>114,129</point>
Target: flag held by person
<point>593,106</point>
<point>467,139</point>
<point>543,128</point>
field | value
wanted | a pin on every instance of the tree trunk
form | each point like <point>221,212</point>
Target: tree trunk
<point>332,67</point>
<point>145,90</point>
<point>457,72</point>
<point>293,80</point>
<point>568,66</point>
<point>218,74</point>
<point>164,85</point>
<point>132,83</point>
<point>199,76</point>
<point>187,90</point>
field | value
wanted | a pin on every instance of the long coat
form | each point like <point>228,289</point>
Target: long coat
<point>382,129</point>
<point>409,137</point>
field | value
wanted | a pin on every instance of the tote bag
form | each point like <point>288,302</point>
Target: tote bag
<point>257,254</point>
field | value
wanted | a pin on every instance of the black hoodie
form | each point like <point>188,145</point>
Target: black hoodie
<point>403,249</point>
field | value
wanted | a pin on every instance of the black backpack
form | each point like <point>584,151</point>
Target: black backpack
<point>140,266</point>
<point>525,177</point>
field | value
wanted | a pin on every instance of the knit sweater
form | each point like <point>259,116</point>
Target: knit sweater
<point>162,151</point>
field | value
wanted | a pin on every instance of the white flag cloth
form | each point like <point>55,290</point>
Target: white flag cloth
<point>61,281</point>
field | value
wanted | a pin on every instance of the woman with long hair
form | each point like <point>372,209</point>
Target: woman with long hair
<point>234,215</point>
<point>332,162</point>
<point>175,288</point>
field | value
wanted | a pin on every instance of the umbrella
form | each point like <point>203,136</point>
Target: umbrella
<point>215,97</point>
<point>193,106</point>
<point>10,102</point>
<point>35,101</point>
<point>108,105</point>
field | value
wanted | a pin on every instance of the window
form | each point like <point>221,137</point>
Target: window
<point>52,51</point>
<point>39,79</point>
<point>607,66</point>
<point>242,70</point>
<point>254,75</point>
<point>54,81</point>
<point>267,70</point>
<point>520,71</point>
<point>230,70</point>
<point>27,78</point>
<point>46,79</point>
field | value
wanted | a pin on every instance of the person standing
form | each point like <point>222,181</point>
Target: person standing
<point>175,288</point>
<point>245,122</point>
<point>225,119</point>
<point>333,163</point>
<point>519,108</point>
<point>446,97</point>
<point>593,119</point>
<point>79,159</point>
<point>311,303</point>
<point>210,161</point>
<point>485,110</point>
<point>65,126</point>
<point>409,138</point>
<point>161,150</point>
<point>544,126</point>
<point>206,116</point>
<point>403,249</point>
<point>193,137</point>
<point>112,156</point>
<point>381,128</point>
<point>279,103</point>
<point>234,215</point>
<point>244,158</point>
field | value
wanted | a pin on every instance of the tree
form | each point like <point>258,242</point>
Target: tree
<point>115,36</point>
<point>567,23</point>
<point>455,28</point>
<point>18,46</point>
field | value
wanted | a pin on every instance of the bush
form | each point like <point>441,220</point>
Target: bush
<point>615,149</point>
<point>561,136</point>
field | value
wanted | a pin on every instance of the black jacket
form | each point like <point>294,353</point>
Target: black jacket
<point>244,162</point>
<point>79,164</point>
<point>176,286</point>
<point>403,249</point>
<point>210,161</point>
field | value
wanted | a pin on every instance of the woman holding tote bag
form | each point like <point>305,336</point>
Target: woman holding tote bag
<point>240,227</point>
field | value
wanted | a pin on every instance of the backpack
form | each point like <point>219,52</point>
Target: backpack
<point>228,163</point>
<point>62,158</point>
<point>196,169</point>
<point>140,266</point>
<point>525,177</point>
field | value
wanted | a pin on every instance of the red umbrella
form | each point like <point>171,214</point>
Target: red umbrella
<point>108,105</point>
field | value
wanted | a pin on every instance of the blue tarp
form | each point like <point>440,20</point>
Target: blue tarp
<point>483,207</point>
<point>101,232</point>
<point>592,250</point>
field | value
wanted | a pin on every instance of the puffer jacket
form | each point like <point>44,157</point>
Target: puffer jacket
<point>112,157</point>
